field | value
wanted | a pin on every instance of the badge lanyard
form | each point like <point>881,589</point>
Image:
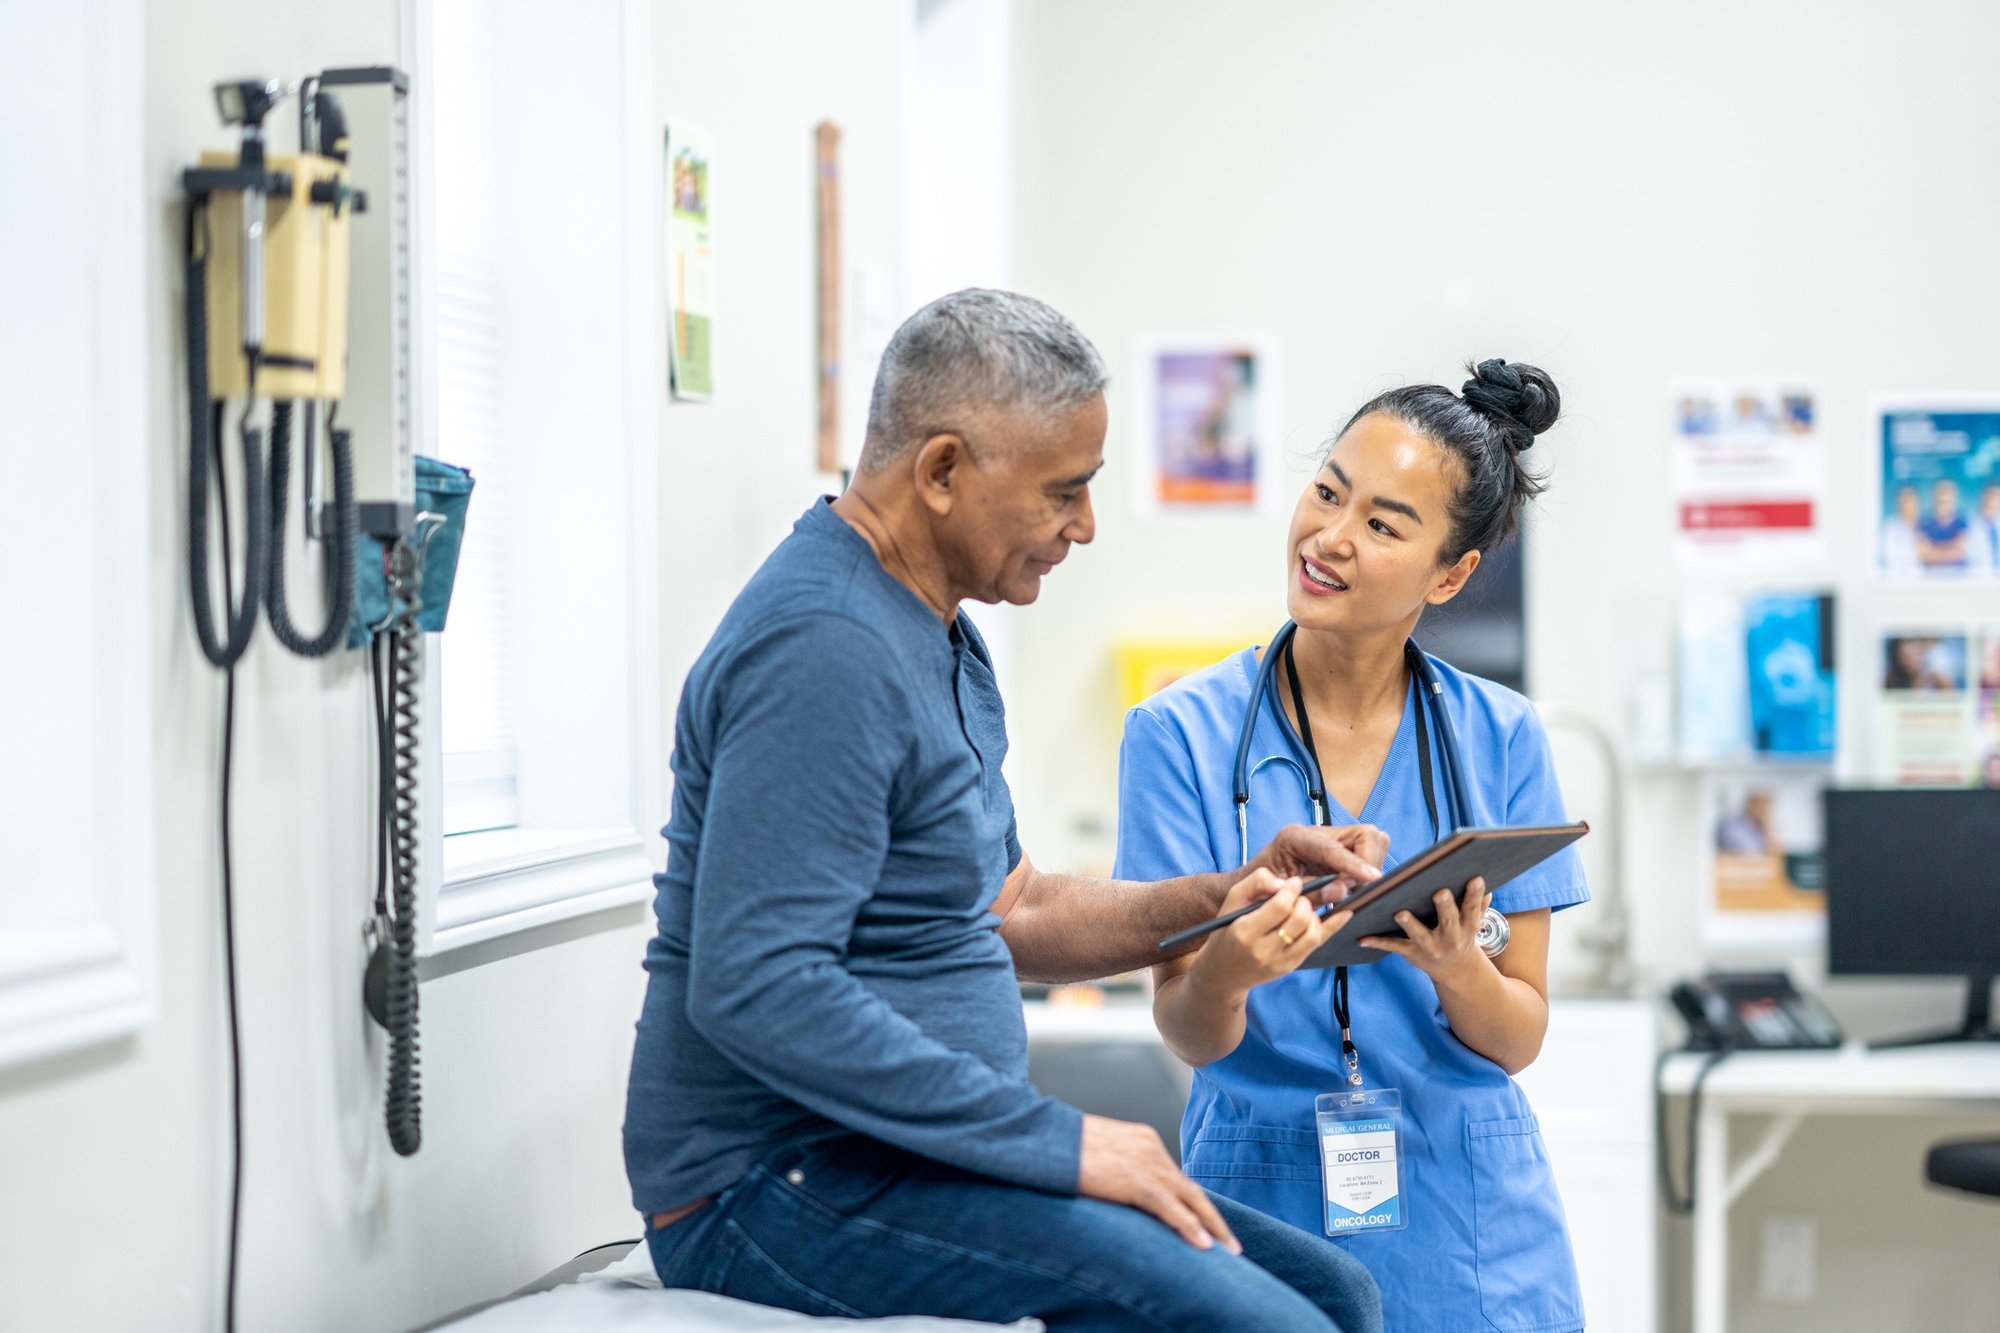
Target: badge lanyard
<point>1317,792</point>
<point>1360,1130</point>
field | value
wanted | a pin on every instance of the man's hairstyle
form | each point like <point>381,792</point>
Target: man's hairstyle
<point>971,351</point>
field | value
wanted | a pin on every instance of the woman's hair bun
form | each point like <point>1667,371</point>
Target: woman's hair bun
<point>1515,394</point>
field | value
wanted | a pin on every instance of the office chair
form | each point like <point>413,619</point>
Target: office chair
<point>1972,1165</point>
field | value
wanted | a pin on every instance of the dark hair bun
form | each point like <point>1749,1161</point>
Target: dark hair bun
<point>1520,398</point>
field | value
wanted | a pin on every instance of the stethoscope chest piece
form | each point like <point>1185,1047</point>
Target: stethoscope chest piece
<point>1493,933</point>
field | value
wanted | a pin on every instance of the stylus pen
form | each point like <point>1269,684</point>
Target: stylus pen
<point>1196,932</point>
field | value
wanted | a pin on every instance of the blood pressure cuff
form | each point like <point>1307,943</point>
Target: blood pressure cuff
<point>444,491</point>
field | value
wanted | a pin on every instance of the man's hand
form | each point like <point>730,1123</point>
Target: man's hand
<point>1300,851</point>
<point>1126,1163</point>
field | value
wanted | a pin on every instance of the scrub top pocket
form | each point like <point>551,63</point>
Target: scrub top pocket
<point>1527,1275</point>
<point>1272,1168</point>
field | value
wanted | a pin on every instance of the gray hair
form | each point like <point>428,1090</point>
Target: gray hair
<point>975,349</point>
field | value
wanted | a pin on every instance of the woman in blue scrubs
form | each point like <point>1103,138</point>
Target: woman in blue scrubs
<point>1418,485</point>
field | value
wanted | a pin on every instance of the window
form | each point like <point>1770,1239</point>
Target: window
<point>538,179</point>
<point>476,660</point>
<point>76,907</point>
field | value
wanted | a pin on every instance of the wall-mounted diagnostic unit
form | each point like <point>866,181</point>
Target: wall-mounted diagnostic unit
<point>299,300</point>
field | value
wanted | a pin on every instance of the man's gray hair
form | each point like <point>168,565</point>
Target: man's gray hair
<point>973,350</point>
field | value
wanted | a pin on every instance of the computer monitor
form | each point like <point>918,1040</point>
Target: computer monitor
<point>1913,889</point>
<point>1484,630</point>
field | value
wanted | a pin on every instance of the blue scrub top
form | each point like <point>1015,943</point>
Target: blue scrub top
<point>1486,1247</point>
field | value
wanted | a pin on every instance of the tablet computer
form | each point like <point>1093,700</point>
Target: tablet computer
<point>1495,854</point>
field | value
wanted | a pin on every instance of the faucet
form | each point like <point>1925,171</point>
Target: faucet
<point>1609,937</point>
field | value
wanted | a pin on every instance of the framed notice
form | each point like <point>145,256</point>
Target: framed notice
<point>826,159</point>
<point>1206,425</point>
<point>1749,476</point>
<point>1766,876</point>
<point>1147,666</point>
<point>690,265</point>
<point>1937,705</point>
<point>1757,677</point>
<point>1937,512</point>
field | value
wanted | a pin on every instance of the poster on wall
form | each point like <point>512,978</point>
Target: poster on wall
<point>1758,677</point>
<point>690,265</point>
<point>826,212</point>
<point>1938,511</point>
<point>1749,475</point>
<point>1206,426</point>
<point>1937,716</point>
<point>1987,706</point>
<point>1147,666</point>
<point>1767,875</point>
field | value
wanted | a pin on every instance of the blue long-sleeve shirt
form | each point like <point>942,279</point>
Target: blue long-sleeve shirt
<point>825,958</point>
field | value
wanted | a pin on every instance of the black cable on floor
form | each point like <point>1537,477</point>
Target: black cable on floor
<point>229,940</point>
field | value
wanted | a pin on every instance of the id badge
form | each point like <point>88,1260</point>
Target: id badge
<point>1360,1160</point>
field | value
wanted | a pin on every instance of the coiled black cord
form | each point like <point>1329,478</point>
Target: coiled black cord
<point>339,551</point>
<point>403,1104</point>
<point>203,452</point>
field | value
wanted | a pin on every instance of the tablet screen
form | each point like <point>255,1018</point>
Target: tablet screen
<point>1497,854</point>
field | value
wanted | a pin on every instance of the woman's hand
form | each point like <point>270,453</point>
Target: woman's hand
<point>1446,950</point>
<point>1498,1007</point>
<point>1265,944</point>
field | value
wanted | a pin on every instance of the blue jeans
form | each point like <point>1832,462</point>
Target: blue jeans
<point>851,1227</point>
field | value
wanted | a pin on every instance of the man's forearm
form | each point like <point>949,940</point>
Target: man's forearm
<point>1072,928</point>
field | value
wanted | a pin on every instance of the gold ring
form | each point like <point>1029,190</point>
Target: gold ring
<point>1288,939</point>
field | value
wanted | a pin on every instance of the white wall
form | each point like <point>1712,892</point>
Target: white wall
<point>957,183</point>
<point>737,473</point>
<point>1624,195</point>
<point>114,1160</point>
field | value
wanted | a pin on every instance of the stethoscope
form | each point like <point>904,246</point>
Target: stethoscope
<point>1493,928</point>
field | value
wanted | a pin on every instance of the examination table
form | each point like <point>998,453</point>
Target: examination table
<point>613,1289</point>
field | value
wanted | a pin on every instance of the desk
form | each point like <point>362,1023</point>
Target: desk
<point>1788,1086</point>
<point>1119,1018</point>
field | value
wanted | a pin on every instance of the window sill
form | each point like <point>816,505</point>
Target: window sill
<point>506,881</point>
<point>63,989</point>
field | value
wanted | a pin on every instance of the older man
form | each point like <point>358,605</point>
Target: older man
<point>829,1107</point>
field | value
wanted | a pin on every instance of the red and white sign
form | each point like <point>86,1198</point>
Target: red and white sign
<point>1749,476</point>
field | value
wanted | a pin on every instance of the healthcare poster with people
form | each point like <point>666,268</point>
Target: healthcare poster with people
<point>1938,516</point>
<point>1205,425</point>
<point>1767,868</point>
<point>1938,714</point>
<point>1749,476</point>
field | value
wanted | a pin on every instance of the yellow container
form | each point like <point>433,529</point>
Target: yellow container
<point>305,286</point>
